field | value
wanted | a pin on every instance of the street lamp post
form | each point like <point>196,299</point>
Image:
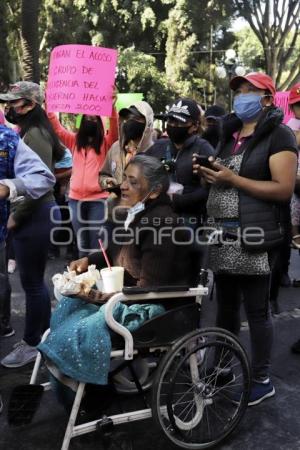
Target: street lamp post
<point>230,67</point>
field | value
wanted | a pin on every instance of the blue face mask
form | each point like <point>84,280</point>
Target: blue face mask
<point>247,106</point>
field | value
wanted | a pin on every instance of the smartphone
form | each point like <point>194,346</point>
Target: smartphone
<point>203,160</point>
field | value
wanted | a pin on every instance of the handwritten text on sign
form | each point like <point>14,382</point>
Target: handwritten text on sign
<point>81,79</point>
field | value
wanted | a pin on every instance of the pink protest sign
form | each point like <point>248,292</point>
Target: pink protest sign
<point>81,79</point>
<point>281,100</point>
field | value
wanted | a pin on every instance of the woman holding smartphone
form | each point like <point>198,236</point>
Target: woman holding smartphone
<point>249,201</point>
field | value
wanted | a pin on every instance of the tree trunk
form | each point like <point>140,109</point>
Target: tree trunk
<point>30,40</point>
<point>4,52</point>
<point>277,26</point>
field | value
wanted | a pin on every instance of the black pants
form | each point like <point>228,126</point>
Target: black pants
<point>253,290</point>
<point>5,289</point>
<point>280,265</point>
<point>31,244</point>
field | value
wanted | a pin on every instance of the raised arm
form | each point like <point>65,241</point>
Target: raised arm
<point>68,138</point>
<point>113,132</point>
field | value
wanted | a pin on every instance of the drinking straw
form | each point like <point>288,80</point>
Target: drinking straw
<point>104,254</point>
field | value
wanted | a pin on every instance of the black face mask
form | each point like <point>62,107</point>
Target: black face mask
<point>178,134</point>
<point>90,128</point>
<point>133,130</point>
<point>12,116</point>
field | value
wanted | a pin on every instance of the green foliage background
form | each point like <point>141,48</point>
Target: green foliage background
<point>163,45</point>
<point>166,47</point>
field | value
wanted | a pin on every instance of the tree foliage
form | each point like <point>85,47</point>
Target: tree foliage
<point>174,45</point>
<point>171,44</point>
<point>249,45</point>
<point>139,73</point>
<point>250,49</point>
<point>276,23</point>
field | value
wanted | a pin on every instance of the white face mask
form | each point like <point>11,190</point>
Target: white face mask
<point>132,212</point>
<point>136,209</point>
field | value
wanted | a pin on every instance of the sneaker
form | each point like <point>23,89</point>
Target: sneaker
<point>21,355</point>
<point>295,348</point>
<point>11,266</point>
<point>6,331</point>
<point>258,393</point>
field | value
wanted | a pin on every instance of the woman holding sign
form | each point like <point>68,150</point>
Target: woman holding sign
<point>89,147</point>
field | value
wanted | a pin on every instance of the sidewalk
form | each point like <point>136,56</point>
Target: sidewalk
<point>273,425</point>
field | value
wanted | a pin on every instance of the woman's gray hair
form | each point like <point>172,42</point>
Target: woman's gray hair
<point>153,170</point>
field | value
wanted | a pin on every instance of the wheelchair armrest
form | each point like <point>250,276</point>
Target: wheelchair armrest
<point>162,292</point>
<point>131,290</point>
<point>199,291</point>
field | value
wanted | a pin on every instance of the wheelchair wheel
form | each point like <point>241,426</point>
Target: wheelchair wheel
<point>201,390</point>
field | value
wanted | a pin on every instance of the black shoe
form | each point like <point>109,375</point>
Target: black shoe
<point>285,280</point>
<point>1,405</point>
<point>295,348</point>
<point>6,331</point>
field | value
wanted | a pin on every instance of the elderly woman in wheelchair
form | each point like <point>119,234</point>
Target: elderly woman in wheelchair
<point>199,379</point>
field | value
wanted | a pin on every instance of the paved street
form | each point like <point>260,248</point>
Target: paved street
<point>273,425</point>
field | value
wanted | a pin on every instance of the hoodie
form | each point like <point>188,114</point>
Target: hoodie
<point>114,163</point>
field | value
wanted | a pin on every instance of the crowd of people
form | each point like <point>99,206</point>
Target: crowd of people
<point>235,172</point>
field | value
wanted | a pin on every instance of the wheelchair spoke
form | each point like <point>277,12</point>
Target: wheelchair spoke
<point>197,386</point>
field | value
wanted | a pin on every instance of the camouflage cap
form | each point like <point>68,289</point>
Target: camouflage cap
<point>24,89</point>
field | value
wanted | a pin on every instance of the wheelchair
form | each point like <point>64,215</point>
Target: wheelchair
<point>195,382</point>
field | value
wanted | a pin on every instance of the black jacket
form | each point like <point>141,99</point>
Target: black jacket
<point>193,199</point>
<point>151,258</point>
<point>271,216</point>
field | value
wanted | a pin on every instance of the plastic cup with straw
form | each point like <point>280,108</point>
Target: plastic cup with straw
<point>104,254</point>
<point>112,276</point>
